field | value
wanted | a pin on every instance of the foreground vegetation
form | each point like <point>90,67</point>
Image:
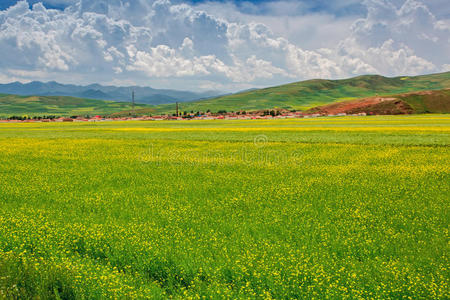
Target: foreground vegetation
<point>313,208</point>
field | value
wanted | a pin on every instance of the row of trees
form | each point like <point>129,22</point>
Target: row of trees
<point>187,114</point>
<point>44,117</point>
<point>24,118</point>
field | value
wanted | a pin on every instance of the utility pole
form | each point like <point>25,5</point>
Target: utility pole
<point>132,100</point>
<point>177,109</point>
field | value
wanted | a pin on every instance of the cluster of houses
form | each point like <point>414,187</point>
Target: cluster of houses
<point>209,116</point>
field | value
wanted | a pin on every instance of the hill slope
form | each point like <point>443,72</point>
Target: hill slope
<point>436,101</point>
<point>58,105</point>
<point>307,94</point>
<point>146,95</point>
<point>428,101</point>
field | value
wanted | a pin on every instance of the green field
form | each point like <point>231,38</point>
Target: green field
<point>13,105</point>
<point>307,94</point>
<point>353,207</point>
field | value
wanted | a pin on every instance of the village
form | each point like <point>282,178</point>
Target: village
<point>272,114</point>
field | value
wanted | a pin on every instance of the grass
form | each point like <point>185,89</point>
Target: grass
<point>59,105</point>
<point>432,102</point>
<point>314,208</point>
<point>307,94</point>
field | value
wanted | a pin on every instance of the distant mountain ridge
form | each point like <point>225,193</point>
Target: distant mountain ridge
<point>145,95</point>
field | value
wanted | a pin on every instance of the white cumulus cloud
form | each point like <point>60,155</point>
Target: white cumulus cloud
<point>165,44</point>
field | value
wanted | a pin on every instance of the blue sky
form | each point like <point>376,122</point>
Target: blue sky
<point>221,45</point>
<point>347,7</point>
<point>4,4</point>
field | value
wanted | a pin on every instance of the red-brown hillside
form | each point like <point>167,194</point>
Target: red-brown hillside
<point>408,103</point>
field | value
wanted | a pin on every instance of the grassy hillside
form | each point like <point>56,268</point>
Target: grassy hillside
<point>434,101</point>
<point>307,94</point>
<point>58,105</point>
<point>428,102</point>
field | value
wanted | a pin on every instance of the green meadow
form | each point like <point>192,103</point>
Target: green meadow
<point>14,105</point>
<point>351,207</point>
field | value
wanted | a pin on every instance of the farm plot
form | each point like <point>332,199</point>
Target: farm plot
<point>337,208</point>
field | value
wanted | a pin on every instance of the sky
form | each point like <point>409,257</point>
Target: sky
<point>220,45</point>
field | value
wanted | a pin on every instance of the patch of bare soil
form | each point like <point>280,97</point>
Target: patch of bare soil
<point>371,105</point>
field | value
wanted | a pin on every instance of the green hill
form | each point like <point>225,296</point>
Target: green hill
<point>428,101</point>
<point>311,93</point>
<point>59,105</point>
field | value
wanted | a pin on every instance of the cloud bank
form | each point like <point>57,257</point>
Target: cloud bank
<point>175,45</point>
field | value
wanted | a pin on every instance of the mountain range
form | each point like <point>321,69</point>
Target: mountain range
<point>145,95</point>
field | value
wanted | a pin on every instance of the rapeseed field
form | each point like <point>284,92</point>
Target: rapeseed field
<point>351,207</point>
